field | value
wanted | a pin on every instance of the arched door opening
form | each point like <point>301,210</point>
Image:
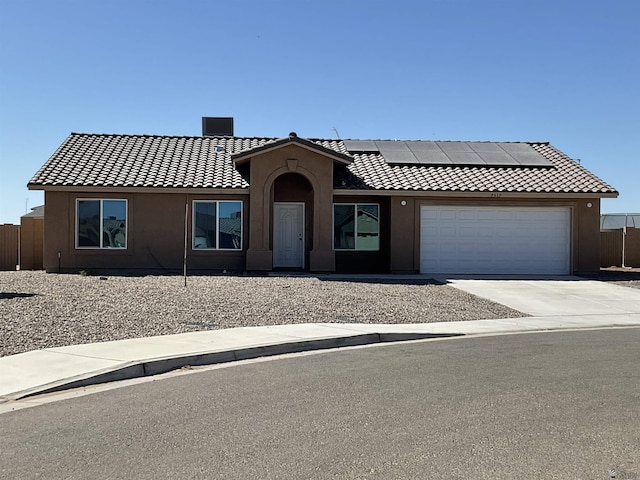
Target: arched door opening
<point>292,234</point>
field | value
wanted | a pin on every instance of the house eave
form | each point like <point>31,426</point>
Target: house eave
<point>165,190</point>
<point>336,191</point>
<point>467,194</point>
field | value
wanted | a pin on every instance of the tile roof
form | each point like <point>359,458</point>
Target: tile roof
<point>101,160</point>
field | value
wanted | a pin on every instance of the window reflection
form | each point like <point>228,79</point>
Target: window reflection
<point>356,227</point>
<point>217,225</point>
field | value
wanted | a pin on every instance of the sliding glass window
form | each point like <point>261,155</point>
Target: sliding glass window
<point>217,225</point>
<point>101,223</point>
<point>356,226</point>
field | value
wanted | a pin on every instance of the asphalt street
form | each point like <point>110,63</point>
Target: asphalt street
<point>545,405</point>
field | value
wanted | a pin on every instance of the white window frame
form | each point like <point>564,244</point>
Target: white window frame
<point>193,226</point>
<point>355,227</point>
<point>101,216</point>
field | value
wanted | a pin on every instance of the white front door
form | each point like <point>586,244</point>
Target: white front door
<point>288,235</point>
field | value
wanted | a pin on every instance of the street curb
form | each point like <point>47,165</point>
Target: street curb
<point>156,366</point>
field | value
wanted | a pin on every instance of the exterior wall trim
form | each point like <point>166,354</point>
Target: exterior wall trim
<point>122,190</point>
<point>390,193</point>
<point>457,194</point>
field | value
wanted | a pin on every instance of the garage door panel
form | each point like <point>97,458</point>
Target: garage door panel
<point>485,232</point>
<point>467,231</point>
<point>495,240</point>
<point>446,214</point>
<point>466,215</point>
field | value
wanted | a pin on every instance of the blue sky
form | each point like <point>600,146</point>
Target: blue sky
<point>567,72</point>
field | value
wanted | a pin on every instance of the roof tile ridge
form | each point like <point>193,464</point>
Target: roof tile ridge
<point>534,142</point>
<point>158,135</point>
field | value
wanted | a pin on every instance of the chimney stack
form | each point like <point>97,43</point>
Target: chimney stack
<point>217,126</point>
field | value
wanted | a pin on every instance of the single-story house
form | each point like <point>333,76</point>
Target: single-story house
<point>254,204</point>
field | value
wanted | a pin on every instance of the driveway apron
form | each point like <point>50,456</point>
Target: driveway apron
<point>553,296</point>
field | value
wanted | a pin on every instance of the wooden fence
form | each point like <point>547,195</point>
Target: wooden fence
<point>9,245</point>
<point>22,244</point>
<point>31,243</point>
<point>611,242</point>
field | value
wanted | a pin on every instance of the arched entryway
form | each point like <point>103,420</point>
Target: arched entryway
<point>292,221</point>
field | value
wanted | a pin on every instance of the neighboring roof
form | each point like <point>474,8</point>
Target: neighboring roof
<point>35,212</point>
<point>116,161</point>
<point>614,221</point>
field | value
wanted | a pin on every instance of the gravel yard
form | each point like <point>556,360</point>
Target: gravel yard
<point>627,277</point>
<point>39,310</point>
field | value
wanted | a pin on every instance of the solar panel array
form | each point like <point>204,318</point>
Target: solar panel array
<point>419,152</point>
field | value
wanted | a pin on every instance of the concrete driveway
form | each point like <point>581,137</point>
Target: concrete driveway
<point>552,296</point>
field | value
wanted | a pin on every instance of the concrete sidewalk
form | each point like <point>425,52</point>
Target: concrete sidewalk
<point>566,303</point>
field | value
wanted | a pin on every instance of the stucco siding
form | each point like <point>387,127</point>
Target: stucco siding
<point>155,235</point>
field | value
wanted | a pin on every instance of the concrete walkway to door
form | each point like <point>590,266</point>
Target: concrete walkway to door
<point>552,296</point>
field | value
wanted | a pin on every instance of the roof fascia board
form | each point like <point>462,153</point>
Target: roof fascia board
<point>344,192</point>
<point>453,193</point>
<point>199,190</point>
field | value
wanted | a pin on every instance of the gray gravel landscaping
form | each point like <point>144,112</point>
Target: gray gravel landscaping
<point>627,277</point>
<point>39,310</point>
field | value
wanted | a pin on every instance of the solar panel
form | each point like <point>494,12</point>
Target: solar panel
<point>396,152</point>
<point>465,158</point>
<point>485,147</point>
<point>532,159</point>
<point>498,159</point>
<point>428,153</point>
<point>361,146</point>
<point>422,152</point>
<point>454,147</point>
<point>401,157</point>
<point>525,155</point>
<point>516,147</point>
<point>391,145</point>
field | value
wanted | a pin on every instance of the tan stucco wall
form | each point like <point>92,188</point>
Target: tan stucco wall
<point>403,234</point>
<point>156,226</point>
<point>155,235</point>
<point>155,231</point>
<point>586,233</point>
<point>318,171</point>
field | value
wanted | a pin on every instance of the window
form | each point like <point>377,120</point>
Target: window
<point>217,225</point>
<point>101,223</point>
<point>356,226</point>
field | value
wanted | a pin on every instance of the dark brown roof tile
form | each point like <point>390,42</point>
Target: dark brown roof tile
<point>96,160</point>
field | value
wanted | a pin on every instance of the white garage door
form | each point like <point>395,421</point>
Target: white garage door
<point>483,240</point>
